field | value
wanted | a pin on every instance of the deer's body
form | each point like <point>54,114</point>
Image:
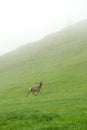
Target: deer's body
<point>35,89</point>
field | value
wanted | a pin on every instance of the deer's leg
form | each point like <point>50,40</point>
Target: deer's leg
<point>28,93</point>
<point>35,94</point>
<point>41,92</point>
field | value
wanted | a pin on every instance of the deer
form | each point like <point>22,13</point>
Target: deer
<point>35,89</point>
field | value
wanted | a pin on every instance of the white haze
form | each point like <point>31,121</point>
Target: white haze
<point>24,21</point>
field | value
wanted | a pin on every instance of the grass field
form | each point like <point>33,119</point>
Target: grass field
<point>60,61</point>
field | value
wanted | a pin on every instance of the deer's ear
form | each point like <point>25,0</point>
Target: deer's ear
<point>41,82</point>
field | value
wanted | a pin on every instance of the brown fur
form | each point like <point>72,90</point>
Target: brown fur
<point>35,89</point>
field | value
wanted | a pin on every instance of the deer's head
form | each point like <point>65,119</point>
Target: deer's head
<point>40,83</point>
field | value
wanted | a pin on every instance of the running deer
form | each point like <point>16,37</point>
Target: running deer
<point>35,89</point>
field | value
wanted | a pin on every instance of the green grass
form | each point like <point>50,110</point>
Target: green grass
<point>60,61</point>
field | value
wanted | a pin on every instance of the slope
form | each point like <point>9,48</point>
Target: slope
<point>60,61</point>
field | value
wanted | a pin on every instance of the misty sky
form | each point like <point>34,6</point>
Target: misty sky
<point>24,21</point>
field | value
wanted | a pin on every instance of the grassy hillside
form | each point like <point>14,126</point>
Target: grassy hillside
<point>60,61</point>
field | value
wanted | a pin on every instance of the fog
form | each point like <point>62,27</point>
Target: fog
<point>26,21</point>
